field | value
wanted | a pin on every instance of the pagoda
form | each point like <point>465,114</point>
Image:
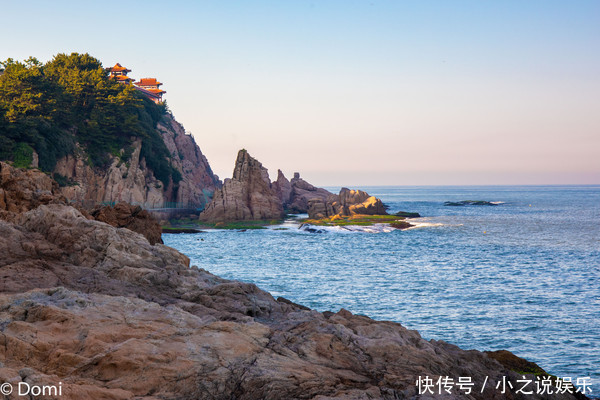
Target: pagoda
<point>119,73</point>
<point>150,87</point>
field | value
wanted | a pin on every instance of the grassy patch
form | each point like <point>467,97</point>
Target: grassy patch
<point>189,223</point>
<point>360,220</point>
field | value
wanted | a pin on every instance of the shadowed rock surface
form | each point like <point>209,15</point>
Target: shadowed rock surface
<point>124,215</point>
<point>302,193</point>
<point>283,188</point>
<point>247,196</point>
<point>112,317</point>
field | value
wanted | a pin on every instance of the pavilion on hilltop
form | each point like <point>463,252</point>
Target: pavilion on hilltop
<point>119,73</point>
<point>148,86</point>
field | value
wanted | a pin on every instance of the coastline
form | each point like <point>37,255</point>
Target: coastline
<point>479,258</point>
<point>110,315</point>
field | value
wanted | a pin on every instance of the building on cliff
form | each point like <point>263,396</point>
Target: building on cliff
<point>148,86</point>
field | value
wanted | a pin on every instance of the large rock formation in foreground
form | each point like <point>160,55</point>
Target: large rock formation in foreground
<point>248,195</point>
<point>347,203</point>
<point>23,190</point>
<point>133,182</point>
<point>112,317</point>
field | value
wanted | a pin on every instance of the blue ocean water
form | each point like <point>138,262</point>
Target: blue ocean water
<point>523,275</point>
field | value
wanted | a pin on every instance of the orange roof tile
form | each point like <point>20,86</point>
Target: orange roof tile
<point>118,67</point>
<point>148,82</point>
<point>157,91</point>
<point>121,77</point>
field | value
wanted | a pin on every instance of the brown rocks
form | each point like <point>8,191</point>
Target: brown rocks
<point>248,195</point>
<point>24,190</point>
<point>283,188</point>
<point>347,203</point>
<point>198,180</point>
<point>113,317</point>
<point>302,193</point>
<point>124,215</point>
<point>109,316</point>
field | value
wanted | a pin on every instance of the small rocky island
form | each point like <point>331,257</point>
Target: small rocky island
<point>250,196</point>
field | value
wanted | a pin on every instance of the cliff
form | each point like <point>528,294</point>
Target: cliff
<point>111,316</point>
<point>248,195</point>
<point>134,182</point>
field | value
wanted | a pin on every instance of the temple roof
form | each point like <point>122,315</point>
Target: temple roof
<point>156,91</point>
<point>118,68</point>
<point>148,82</point>
<point>122,78</point>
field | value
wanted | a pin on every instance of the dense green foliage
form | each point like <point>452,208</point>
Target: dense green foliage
<point>71,100</point>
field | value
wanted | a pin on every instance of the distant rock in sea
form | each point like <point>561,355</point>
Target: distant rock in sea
<point>406,214</point>
<point>470,203</point>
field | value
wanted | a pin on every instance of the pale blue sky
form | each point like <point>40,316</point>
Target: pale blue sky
<point>356,92</point>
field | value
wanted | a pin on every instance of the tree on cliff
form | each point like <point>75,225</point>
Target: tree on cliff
<point>71,100</point>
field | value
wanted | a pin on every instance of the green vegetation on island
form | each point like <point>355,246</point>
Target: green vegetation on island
<point>359,220</point>
<point>71,102</point>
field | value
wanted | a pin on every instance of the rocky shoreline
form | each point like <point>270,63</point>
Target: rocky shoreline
<point>99,309</point>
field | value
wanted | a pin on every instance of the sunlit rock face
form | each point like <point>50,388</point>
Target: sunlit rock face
<point>248,195</point>
<point>133,182</point>
<point>347,203</point>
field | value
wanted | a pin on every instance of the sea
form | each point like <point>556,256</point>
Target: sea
<point>521,275</point>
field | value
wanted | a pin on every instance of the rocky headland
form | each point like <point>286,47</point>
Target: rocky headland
<point>103,141</point>
<point>111,316</point>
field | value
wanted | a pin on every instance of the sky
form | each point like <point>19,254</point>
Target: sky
<point>350,92</point>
